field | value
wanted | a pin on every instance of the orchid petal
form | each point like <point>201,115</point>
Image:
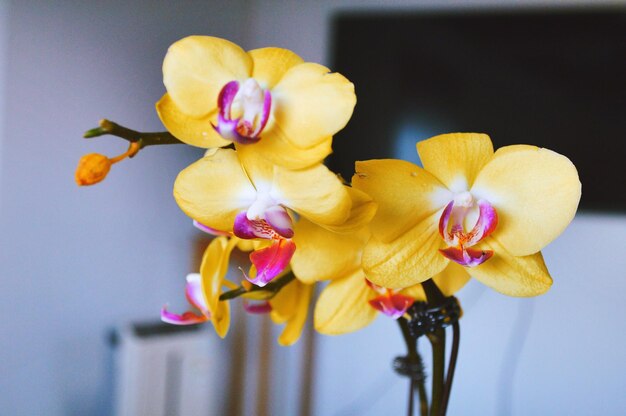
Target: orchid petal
<point>404,192</point>
<point>194,294</point>
<point>209,230</point>
<point>193,131</point>
<point>271,64</point>
<point>271,261</point>
<point>536,192</point>
<point>323,254</point>
<point>274,148</point>
<point>278,218</point>
<point>248,229</point>
<point>343,306</point>
<point>257,307</point>
<point>187,318</point>
<point>456,158</point>
<point>197,67</point>
<point>485,225</point>
<point>444,222</point>
<point>317,255</point>
<point>315,193</point>
<point>409,259</point>
<point>213,271</point>
<point>394,306</point>
<point>361,214</point>
<point>449,281</point>
<point>468,257</point>
<point>214,190</point>
<point>311,104</point>
<point>291,305</point>
<point>512,275</point>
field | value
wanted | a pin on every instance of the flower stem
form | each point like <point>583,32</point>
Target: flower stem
<point>438,342</point>
<point>456,336</point>
<point>133,136</point>
<point>415,359</point>
<point>272,287</point>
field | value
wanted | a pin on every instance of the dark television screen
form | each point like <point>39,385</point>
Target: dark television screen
<point>555,79</point>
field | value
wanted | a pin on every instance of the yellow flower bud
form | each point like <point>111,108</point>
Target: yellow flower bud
<point>92,168</point>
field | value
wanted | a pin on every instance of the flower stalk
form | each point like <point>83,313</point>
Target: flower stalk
<point>266,292</point>
<point>430,318</point>
<point>133,136</point>
<point>414,361</point>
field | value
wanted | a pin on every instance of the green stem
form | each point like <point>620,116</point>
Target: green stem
<point>456,335</point>
<point>273,286</point>
<point>438,342</point>
<point>133,136</point>
<point>411,345</point>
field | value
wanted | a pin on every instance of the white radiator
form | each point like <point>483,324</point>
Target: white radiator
<point>164,370</point>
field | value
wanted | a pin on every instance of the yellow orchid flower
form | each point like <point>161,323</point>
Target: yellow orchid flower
<point>350,302</point>
<point>291,307</point>
<point>241,193</point>
<point>270,98</point>
<point>492,212</point>
<point>203,289</point>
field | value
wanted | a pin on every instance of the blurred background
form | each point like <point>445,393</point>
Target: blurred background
<point>84,272</point>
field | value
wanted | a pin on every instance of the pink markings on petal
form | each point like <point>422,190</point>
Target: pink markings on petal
<point>392,305</point>
<point>265,115</point>
<point>271,261</point>
<point>257,307</point>
<point>443,223</point>
<point>187,318</point>
<point>255,104</point>
<point>486,223</point>
<point>193,292</point>
<point>278,218</point>
<point>469,257</point>
<point>208,229</point>
<point>451,228</point>
<point>248,229</point>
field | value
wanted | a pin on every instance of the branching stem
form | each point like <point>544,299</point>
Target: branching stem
<point>133,136</point>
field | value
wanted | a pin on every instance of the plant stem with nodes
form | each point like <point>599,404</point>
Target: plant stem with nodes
<point>133,136</point>
<point>440,389</point>
<point>414,360</point>
<point>271,288</point>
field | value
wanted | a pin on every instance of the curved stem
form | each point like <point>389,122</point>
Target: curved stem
<point>421,390</point>
<point>414,357</point>
<point>456,336</point>
<point>273,287</point>
<point>438,342</point>
<point>411,397</point>
<point>133,136</point>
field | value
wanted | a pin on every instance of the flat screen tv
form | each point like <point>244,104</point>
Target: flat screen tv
<point>553,78</point>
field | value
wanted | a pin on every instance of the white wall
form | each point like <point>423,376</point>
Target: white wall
<point>559,354</point>
<point>4,38</point>
<point>76,261</point>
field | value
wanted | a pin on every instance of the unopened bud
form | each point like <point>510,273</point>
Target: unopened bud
<point>92,168</point>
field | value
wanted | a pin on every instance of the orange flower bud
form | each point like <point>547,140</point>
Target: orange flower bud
<point>92,168</point>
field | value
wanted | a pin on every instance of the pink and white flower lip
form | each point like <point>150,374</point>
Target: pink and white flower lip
<point>193,293</point>
<point>271,261</point>
<point>390,303</point>
<point>243,111</point>
<point>452,228</point>
<point>274,224</point>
